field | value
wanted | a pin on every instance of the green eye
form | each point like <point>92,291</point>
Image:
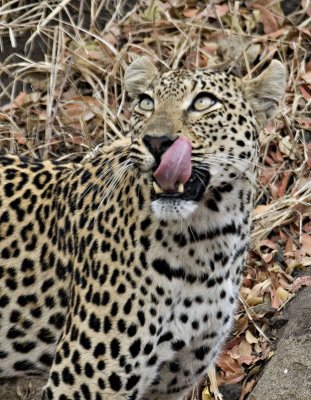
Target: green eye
<point>203,101</point>
<point>146,103</point>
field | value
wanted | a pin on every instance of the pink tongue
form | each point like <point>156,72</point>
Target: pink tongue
<point>175,165</point>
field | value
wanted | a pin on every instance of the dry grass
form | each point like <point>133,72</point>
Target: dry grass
<point>74,99</point>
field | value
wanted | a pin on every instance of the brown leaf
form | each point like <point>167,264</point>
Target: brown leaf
<point>261,209</point>
<point>274,190</point>
<point>277,155</point>
<point>306,31</point>
<point>251,339</point>
<point>283,184</point>
<point>305,4</point>
<point>77,139</point>
<point>190,12</point>
<point>299,282</point>
<point>276,302</point>
<point>241,324</point>
<point>228,364</point>
<point>289,245</point>
<point>307,77</point>
<point>247,282</point>
<point>278,33</point>
<point>254,300</point>
<point>306,243</point>
<point>245,353</point>
<point>19,138</point>
<point>246,389</point>
<point>20,99</point>
<point>269,243</point>
<point>218,10</point>
<point>221,9</point>
<point>266,175</point>
<point>305,91</point>
<point>233,371</point>
<point>268,20</point>
<point>210,48</point>
<point>282,294</point>
<point>79,108</point>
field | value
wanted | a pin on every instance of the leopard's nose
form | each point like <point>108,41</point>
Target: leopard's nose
<point>157,145</point>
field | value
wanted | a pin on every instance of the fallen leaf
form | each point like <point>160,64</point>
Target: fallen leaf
<point>286,147</point>
<point>79,109</point>
<point>306,6</point>
<point>299,282</point>
<point>252,301</point>
<point>20,99</point>
<point>250,338</point>
<point>269,243</point>
<point>282,294</point>
<point>241,324</point>
<point>19,138</point>
<point>218,10</point>
<point>276,302</point>
<point>268,20</point>
<point>210,48</point>
<point>221,9</point>
<point>289,245</point>
<point>305,91</point>
<point>306,243</point>
<point>283,185</point>
<point>206,394</point>
<point>190,12</point>
<point>261,209</point>
<point>307,76</point>
<point>245,351</point>
<point>247,388</point>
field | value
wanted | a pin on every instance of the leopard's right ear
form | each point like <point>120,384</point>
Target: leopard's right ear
<point>266,91</point>
<point>139,75</point>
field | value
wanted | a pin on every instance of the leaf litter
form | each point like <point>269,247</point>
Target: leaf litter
<point>74,100</point>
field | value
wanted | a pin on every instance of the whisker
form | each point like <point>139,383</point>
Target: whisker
<point>113,182</point>
<point>216,162</point>
<point>233,158</point>
<point>199,177</point>
<point>102,175</point>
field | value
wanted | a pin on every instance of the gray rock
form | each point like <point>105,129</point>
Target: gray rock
<point>287,376</point>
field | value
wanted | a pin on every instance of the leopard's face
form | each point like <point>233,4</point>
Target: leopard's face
<point>194,131</point>
<point>201,121</point>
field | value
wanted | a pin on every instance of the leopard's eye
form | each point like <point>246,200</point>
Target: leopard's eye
<point>203,101</point>
<point>146,103</point>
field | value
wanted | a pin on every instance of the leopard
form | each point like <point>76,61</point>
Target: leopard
<point>120,274</point>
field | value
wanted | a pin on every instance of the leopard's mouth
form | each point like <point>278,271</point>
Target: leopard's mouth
<point>192,190</point>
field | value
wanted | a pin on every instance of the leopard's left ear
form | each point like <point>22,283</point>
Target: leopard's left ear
<point>266,91</point>
<point>139,75</point>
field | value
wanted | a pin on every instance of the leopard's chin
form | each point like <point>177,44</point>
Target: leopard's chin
<point>179,204</point>
<point>173,209</point>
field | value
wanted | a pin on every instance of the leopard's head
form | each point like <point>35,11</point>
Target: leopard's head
<point>194,130</point>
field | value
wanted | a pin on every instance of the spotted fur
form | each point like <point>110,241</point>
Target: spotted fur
<point>120,294</point>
